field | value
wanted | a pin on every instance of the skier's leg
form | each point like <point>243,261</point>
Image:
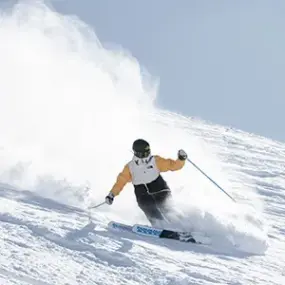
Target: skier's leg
<point>173,217</point>
<point>163,201</point>
<point>148,205</point>
<point>164,204</point>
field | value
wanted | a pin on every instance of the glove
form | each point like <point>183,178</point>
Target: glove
<point>109,199</point>
<point>182,155</point>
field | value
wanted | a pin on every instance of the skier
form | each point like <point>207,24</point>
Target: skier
<point>151,190</point>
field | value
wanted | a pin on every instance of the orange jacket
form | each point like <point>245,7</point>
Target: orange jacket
<point>162,164</point>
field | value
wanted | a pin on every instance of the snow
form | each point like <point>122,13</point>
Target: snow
<point>70,110</point>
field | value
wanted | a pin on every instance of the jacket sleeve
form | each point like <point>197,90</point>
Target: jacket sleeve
<point>167,164</point>
<point>122,179</point>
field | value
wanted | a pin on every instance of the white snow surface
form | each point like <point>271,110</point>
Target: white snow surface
<point>70,109</point>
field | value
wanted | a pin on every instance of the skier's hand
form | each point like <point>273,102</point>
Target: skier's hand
<point>182,155</point>
<point>109,198</point>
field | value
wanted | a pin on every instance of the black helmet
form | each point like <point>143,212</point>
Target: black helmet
<point>141,148</point>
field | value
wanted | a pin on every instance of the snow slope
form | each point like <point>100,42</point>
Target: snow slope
<point>70,109</point>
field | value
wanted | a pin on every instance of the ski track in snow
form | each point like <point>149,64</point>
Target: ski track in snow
<point>45,242</point>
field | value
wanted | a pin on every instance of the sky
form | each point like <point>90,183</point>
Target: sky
<point>221,61</point>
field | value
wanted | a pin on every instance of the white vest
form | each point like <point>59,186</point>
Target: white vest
<point>144,170</point>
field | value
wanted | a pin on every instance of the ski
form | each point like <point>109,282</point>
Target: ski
<point>187,237</point>
<point>120,227</point>
<point>163,233</point>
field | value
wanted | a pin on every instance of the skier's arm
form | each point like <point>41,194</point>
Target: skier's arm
<point>122,179</point>
<point>167,164</point>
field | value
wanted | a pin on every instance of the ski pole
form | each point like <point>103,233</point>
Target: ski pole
<point>210,179</point>
<point>97,206</point>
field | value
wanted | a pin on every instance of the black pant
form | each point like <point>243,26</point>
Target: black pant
<point>153,198</point>
<point>155,206</point>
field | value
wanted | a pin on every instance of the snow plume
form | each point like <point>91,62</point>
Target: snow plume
<point>69,107</point>
<point>70,110</point>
